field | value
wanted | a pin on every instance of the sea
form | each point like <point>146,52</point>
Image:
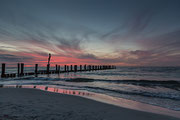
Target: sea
<point>159,86</point>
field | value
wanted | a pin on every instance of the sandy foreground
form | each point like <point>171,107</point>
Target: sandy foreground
<point>33,104</point>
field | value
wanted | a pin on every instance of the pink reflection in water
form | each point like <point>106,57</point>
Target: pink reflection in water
<point>69,92</point>
<point>50,89</point>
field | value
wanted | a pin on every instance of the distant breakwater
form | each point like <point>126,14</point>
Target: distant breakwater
<point>67,68</point>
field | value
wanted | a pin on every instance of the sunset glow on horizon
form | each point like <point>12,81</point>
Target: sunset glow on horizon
<point>143,33</point>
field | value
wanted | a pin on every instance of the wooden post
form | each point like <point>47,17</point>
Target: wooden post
<point>84,67</point>
<point>93,67</point>
<point>3,70</point>
<point>71,68</point>
<point>48,66</point>
<point>36,69</point>
<point>96,67</point>
<point>90,68</point>
<point>22,69</point>
<point>80,67</point>
<point>18,69</point>
<point>56,67</point>
<point>75,68</point>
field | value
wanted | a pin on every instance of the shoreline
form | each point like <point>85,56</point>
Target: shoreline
<point>35,100</point>
<point>120,102</point>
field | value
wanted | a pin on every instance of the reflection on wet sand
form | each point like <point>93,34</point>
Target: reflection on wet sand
<point>50,89</point>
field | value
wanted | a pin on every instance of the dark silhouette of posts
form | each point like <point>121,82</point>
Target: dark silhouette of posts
<point>65,68</point>
<point>59,68</point>
<point>71,68</point>
<point>18,69</point>
<point>36,69</point>
<point>3,70</point>
<point>96,67</point>
<point>90,68</point>
<point>84,67</point>
<point>22,69</point>
<point>80,67</point>
<point>75,68</point>
<point>49,59</point>
<point>48,66</point>
<point>103,67</point>
<point>56,67</point>
<point>93,67</point>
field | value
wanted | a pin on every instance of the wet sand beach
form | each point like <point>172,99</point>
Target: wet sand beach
<point>33,104</point>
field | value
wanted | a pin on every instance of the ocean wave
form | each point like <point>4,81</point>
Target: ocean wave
<point>172,84</point>
<point>80,80</point>
<point>124,81</point>
<point>163,95</point>
<point>140,93</point>
<point>41,78</point>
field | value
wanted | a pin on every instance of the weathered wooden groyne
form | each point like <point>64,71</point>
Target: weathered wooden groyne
<point>67,68</point>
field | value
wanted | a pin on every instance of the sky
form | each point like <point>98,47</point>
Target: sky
<point>118,32</point>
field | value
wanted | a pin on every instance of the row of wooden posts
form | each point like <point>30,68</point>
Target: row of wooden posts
<point>67,68</point>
